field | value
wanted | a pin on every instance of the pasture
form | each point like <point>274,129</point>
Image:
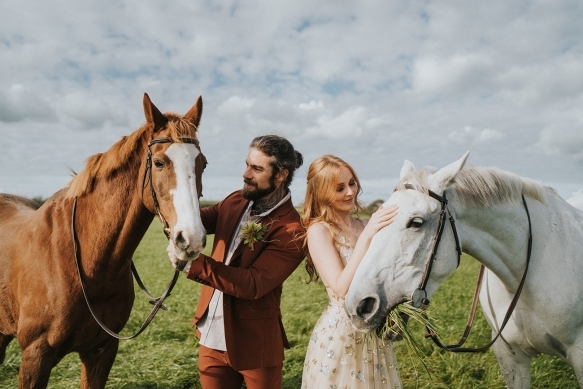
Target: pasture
<point>165,355</point>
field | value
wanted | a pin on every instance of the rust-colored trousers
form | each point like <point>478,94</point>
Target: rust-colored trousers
<point>215,372</point>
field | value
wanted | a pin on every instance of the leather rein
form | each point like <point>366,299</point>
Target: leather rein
<point>419,296</point>
<point>157,302</point>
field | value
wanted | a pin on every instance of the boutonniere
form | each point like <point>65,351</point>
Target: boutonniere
<point>252,232</point>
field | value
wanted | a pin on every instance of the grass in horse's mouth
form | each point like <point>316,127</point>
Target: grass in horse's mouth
<point>395,327</point>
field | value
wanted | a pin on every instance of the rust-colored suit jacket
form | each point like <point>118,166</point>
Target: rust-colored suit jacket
<point>252,282</point>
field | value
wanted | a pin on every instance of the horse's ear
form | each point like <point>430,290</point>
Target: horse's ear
<point>153,115</point>
<point>195,112</point>
<point>407,168</point>
<point>443,177</point>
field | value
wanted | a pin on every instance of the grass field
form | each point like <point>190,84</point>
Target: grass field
<point>165,355</point>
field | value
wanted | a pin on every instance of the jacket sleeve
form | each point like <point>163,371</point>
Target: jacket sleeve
<point>209,216</point>
<point>280,254</point>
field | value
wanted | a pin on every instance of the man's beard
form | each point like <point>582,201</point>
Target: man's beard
<point>251,190</point>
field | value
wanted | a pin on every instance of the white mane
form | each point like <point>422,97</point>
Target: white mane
<point>482,187</point>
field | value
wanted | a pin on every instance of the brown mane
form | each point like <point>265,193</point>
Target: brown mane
<point>102,165</point>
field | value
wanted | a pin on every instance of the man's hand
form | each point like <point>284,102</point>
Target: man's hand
<point>177,262</point>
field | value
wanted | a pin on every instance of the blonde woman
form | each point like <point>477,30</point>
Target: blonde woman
<point>336,241</point>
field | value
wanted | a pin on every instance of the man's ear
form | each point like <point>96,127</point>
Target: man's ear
<point>281,176</point>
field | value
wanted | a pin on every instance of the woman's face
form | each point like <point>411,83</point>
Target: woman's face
<point>346,189</point>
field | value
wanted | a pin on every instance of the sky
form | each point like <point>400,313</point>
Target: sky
<point>373,82</point>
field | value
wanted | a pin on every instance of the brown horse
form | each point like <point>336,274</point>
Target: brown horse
<point>154,171</point>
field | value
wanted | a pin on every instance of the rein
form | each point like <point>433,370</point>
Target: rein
<point>419,296</point>
<point>156,301</point>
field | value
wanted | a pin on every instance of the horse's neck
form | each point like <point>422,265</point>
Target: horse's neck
<point>111,221</point>
<point>498,238</point>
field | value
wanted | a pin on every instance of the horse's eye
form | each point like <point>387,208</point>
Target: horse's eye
<point>416,222</point>
<point>159,164</point>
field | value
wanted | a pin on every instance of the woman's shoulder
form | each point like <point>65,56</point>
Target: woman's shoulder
<point>320,227</point>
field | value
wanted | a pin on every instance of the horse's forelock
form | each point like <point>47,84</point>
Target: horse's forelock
<point>180,128</point>
<point>482,187</point>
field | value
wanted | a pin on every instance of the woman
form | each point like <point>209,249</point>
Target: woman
<point>336,241</point>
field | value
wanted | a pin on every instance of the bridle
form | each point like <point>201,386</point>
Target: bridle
<point>157,302</point>
<point>419,296</point>
<point>148,176</point>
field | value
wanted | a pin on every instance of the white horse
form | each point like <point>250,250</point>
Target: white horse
<point>493,227</point>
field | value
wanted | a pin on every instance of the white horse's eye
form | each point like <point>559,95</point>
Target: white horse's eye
<point>416,223</point>
<point>158,163</point>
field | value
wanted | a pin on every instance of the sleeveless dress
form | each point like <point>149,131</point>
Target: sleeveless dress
<point>339,357</point>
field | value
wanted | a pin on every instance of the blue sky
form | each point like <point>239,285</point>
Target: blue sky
<point>374,82</point>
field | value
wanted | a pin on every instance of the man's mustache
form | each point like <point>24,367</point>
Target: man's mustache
<point>249,182</point>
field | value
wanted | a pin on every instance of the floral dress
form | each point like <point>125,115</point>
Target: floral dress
<point>339,357</point>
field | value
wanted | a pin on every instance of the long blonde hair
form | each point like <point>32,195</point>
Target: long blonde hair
<point>322,182</point>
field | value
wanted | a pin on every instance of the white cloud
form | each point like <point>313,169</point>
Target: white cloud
<point>397,76</point>
<point>19,103</point>
<point>563,140</point>
<point>85,112</point>
<point>235,105</point>
<point>348,124</point>
<point>470,135</point>
<point>311,106</point>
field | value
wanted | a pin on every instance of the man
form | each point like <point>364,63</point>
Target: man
<point>257,245</point>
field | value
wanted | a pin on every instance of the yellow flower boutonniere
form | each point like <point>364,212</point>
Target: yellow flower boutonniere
<point>252,233</point>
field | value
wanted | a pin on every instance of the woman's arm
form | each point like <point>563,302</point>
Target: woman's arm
<point>326,258</point>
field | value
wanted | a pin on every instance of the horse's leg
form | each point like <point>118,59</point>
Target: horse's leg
<point>514,364</point>
<point>97,363</point>
<point>38,359</point>
<point>4,340</point>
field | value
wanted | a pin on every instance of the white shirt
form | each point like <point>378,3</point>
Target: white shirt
<point>212,325</point>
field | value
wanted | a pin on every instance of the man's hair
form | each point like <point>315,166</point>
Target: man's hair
<point>282,153</point>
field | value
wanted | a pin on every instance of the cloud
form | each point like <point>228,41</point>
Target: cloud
<point>457,73</point>
<point>349,124</point>
<point>236,105</point>
<point>19,103</point>
<point>84,112</point>
<point>563,140</point>
<point>470,135</point>
<point>376,82</point>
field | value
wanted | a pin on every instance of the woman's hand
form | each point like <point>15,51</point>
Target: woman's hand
<point>382,217</point>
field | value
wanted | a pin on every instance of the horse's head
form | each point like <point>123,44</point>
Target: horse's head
<point>394,269</point>
<point>173,170</point>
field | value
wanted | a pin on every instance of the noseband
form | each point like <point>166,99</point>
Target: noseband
<point>419,296</point>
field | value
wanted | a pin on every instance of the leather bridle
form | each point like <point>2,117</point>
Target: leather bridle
<point>148,176</point>
<point>419,296</point>
<point>156,301</point>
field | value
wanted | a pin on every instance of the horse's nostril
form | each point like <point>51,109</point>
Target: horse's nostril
<point>366,307</point>
<point>180,242</point>
<point>204,241</point>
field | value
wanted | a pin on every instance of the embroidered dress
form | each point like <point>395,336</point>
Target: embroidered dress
<point>339,357</point>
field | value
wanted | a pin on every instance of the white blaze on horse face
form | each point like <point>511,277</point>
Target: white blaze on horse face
<point>188,234</point>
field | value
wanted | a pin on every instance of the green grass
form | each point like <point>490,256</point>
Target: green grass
<point>165,355</point>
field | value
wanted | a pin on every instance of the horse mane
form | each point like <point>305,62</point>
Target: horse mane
<point>483,187</point>
<point>101,166</point>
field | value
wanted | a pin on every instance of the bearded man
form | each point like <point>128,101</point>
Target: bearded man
<point>256,247</point>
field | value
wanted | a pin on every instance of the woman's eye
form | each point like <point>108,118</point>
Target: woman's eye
<point>416,222</point>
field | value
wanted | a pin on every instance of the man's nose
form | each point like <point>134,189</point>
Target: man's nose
<point>247,173</point>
